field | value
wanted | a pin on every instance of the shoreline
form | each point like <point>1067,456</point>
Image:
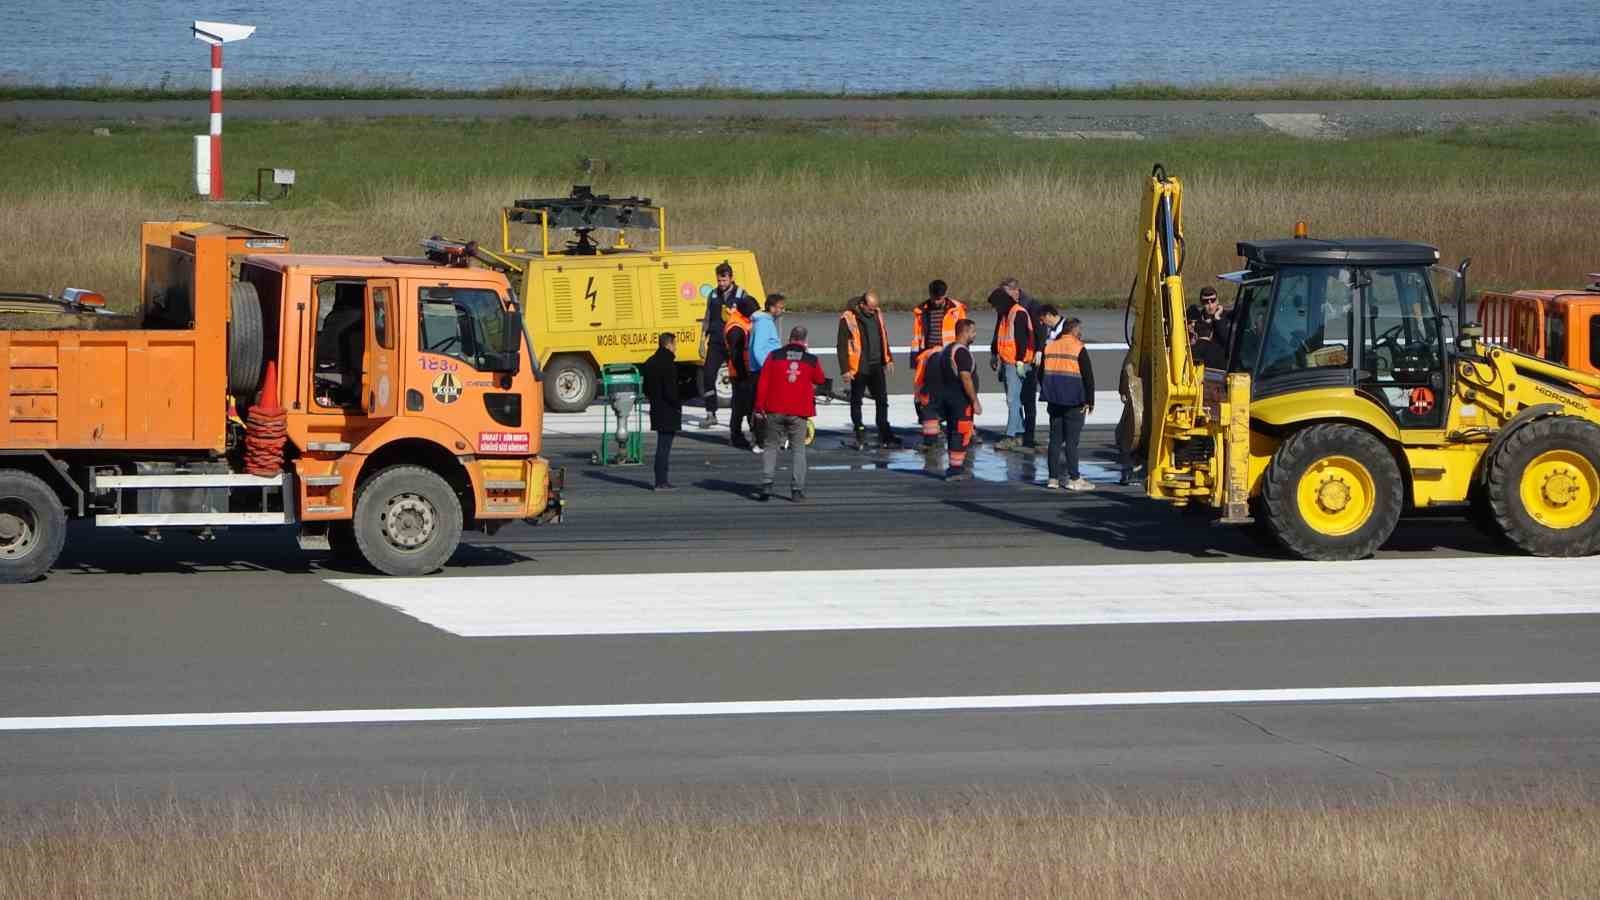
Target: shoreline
<point>1570,86</point>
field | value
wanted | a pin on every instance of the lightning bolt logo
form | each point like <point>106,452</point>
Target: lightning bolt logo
<point>590,294</point>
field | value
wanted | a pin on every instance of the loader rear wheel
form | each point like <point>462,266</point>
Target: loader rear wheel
<point>1332,492</point>
<point>246,341</point>
<point>33,527</point>
<point>407,521</point>
<point>1544,487</point>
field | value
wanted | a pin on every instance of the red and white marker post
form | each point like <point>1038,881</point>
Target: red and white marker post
<point>208,148</point>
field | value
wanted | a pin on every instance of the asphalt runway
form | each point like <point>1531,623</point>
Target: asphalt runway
<point>808,626</point>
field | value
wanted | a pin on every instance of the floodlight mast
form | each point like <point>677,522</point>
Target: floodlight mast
<point>216,34</point>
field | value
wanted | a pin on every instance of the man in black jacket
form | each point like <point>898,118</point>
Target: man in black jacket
<point>725,296</point>
<point>666,406</point>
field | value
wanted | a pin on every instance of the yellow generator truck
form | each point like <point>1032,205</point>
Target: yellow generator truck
<point>596,299</point>
<point>1349,400</point>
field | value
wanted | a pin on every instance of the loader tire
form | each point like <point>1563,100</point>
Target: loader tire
<point>33,527</point>
<point>246,341</point>
<point>1332,492</point>
<point>407,521</point>
<point>1544,487</point>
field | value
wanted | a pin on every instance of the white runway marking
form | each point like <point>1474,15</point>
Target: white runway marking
<point>822,600</point>
<point>806,707</point>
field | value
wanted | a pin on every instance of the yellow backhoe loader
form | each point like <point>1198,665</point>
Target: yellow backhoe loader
<point>1349,400</point>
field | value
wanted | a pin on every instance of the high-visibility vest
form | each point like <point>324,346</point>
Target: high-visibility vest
<point>735,321</point>
<point>853,325</point>
<point>1062,382</point>
<point>1005,341</point>
<point>954,312</point>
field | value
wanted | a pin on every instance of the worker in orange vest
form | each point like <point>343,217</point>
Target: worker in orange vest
<point>951,384</point>
<point>736,338</point>
<point>865,364</point>
<point>1067,385</point>
<point>1011,353</point>
<point>933,326</point>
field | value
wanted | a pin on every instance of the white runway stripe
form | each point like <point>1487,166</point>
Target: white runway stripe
<point>823,600</point>
<point>835,416</point>
<point>807,707</point>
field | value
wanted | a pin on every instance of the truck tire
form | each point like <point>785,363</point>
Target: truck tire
<point>570,384</point>
<point>1332,492</point>
<point>33,527</point>
<point>246,341</point>
<point>407,521</point>
<point>1544,487</point>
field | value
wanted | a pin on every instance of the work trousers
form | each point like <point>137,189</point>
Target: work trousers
<point>794,428</point>
<point>716,356</point>
<point>664,441</point>
<point>1012,382</point>
<point>744,405</point>
<point>1030,404</point>
<point>957,416</point>
<point>1066,427</point>
<point>871,380</point>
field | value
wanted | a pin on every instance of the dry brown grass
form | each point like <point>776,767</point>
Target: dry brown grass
<point>443,846</point>
<point>821,237</point>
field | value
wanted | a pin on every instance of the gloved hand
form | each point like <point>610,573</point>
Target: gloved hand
<point>1022,369</point>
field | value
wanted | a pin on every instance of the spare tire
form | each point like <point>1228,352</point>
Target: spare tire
<point>246,341</point>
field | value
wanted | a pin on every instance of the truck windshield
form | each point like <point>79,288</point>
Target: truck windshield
<point>469,324</point>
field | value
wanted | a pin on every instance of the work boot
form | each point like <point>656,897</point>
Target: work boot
<point>1007,444</point>
<point>740,443</point>
<point>1080,484</point>
<point>764,493</point>
<point>860,439</point>
<point>709,421</point>
<point>1053,484</point>
<point>956,475</point>
<point>797,496</point>
<point>891,442</point>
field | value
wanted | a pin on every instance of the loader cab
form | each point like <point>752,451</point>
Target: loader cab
<point>1355,314</point>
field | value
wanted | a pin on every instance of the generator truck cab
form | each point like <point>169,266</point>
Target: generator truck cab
<point>1349,400</point>
<point>381,405</point>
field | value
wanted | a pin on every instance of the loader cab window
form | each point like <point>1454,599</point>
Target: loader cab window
<point>1555,335</point>
<point>1402,354</point>
<point>1309,326</point>
<point>1249,314</point>
<point>468,324</point>
<point>340,345</point>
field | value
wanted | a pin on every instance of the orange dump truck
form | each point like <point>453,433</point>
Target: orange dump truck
<point>381,405</point>
<point>1562,326</point>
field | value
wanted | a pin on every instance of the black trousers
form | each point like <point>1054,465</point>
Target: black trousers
<point>664,441</point>
<point>1030,405</point>
<point>744,406</point>
<point>1066,427</point>
<point>716,355</point>
<point>872,380</point>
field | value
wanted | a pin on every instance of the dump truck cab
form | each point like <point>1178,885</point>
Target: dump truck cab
<point>381,405</point>
<point>601,283</point>
<point>1560,326</point>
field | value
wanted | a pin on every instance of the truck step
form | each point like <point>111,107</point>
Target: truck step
<point>323,480</point>
<point>184,520</point>
<point>110,482</point>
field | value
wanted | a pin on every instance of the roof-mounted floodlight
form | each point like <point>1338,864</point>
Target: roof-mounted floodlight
<point>221,32</point>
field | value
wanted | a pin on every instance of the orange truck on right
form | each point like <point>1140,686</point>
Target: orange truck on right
<point>1561,326</point>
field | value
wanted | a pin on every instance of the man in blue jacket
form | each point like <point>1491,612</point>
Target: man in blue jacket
<point>764,333</point>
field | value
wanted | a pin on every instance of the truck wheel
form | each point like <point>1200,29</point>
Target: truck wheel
<point>570,384</point>
<point>246,341</point>
<point>407,521</point>
<point>1332,492</point>
<point>33,527</point>
<point>1544,487</point>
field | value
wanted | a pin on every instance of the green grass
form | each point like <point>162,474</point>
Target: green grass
<point>346,163</point>
<point>1577,85</point>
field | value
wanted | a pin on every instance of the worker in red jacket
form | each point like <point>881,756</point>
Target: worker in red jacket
<point>787,395</point>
